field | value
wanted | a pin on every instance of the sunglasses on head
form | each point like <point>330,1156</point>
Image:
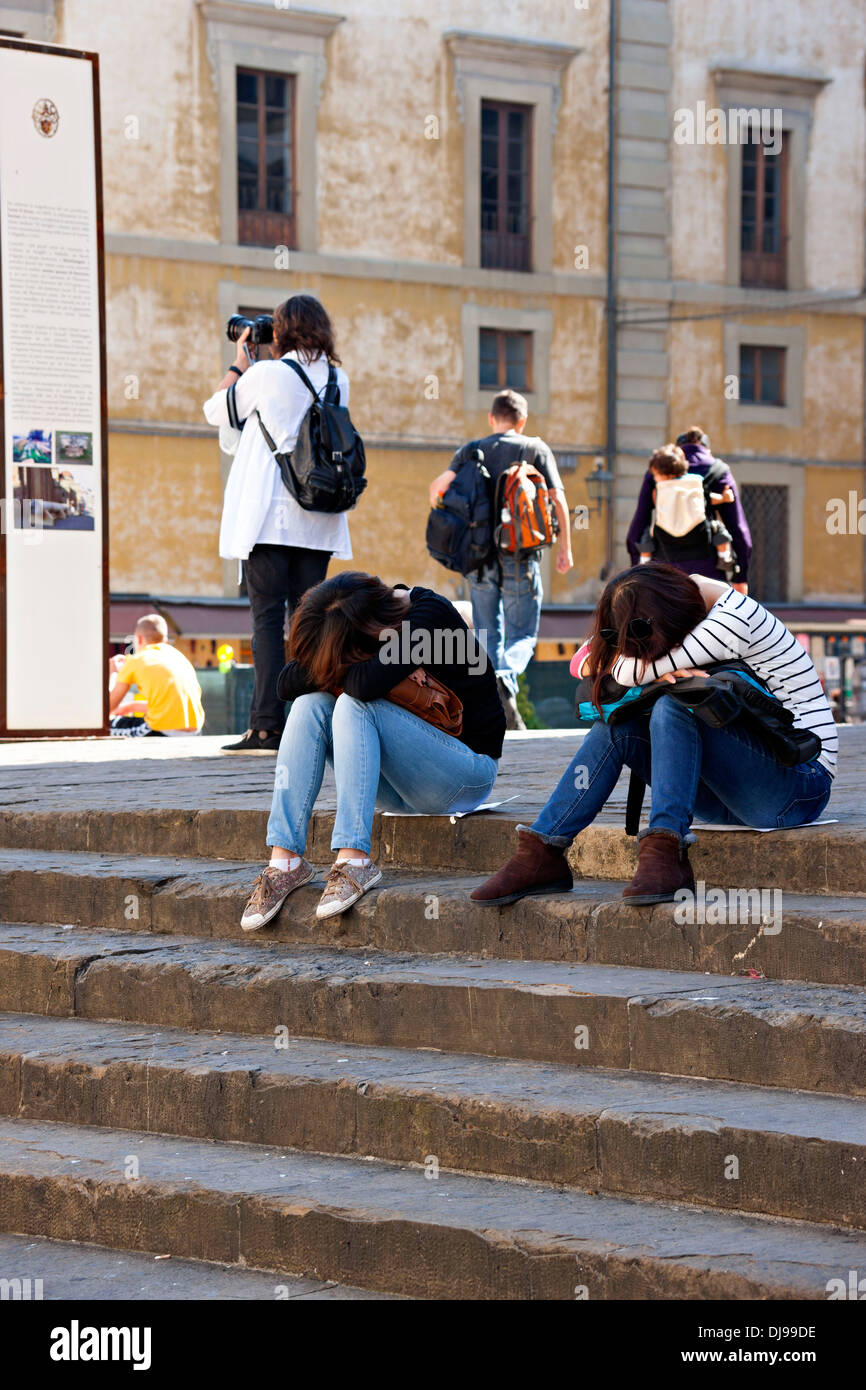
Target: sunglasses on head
<point>636,628</point>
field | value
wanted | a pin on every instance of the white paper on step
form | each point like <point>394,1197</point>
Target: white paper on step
<point>766,829</point>
<point>460,815</point>
<point>486,806</point>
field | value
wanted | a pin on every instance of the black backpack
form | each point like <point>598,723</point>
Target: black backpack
<point>460,526</point>
<point>325,470</point>
<point>732,692</point>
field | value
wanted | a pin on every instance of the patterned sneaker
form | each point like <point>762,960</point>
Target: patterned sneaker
<point>270,891</point>
<point>346,884</point>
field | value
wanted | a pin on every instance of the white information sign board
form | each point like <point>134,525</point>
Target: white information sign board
<point>53,584</point>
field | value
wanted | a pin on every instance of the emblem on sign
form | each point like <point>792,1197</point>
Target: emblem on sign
<point>46,117</point>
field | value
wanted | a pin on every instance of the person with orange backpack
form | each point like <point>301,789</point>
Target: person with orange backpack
<point>528,510</point>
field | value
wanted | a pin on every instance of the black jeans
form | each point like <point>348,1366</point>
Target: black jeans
<point>276,575</point>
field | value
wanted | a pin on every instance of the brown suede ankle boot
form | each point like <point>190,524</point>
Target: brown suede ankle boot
<point>663,867</point>
<point>535,868</point>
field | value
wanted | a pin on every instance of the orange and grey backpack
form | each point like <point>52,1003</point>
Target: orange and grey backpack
<point>525,516</point>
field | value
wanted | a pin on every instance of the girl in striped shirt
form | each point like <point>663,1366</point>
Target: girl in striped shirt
<point>653,622</point>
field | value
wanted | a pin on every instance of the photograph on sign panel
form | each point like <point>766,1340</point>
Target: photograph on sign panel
<point>33,447</point>
<point>74,446</point>
<point>57,499</point>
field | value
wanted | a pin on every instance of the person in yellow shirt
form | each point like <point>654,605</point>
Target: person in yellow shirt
<point>165,680</point>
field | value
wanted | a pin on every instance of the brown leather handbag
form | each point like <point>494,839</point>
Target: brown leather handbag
<point>432,701</point>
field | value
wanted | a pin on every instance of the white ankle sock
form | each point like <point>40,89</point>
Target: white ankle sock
<point>364,860</point>
<point>281,864</point>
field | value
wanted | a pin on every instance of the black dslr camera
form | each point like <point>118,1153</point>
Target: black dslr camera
<point>261,328</point>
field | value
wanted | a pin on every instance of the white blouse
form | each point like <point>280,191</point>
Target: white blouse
<point>257,507</point>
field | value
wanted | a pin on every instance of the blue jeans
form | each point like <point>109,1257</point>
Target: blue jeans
<point>384,758</point>
<point>505,616</point>
<point>720,775</point>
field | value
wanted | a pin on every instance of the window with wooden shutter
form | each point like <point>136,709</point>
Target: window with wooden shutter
<point>504,359</point>
<point>265,126</point>
<point>763,216</point>
<point>506,213</point>
<point>762,375</point>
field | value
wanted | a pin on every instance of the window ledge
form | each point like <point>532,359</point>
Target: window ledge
<point>261,14</point>
<point>760,81</point>
<point>496,48</point>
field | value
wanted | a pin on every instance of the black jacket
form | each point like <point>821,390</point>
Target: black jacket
<point>434,636</point>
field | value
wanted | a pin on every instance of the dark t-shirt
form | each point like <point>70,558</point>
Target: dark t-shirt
<point>433,635</point>
<point>501,451</point>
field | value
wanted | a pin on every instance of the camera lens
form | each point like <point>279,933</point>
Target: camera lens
<point>236,325</point>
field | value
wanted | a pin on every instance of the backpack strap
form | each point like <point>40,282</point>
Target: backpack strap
<point>633,803</point>
<point>299,371</point>
<point>330,391</point>
<point>268,440</point>
<point>232,407</point>
<point>296,367</point>
<point>713,475</point>
<point>280,459</point>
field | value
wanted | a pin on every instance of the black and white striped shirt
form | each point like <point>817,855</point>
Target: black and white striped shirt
<point>737,626</point>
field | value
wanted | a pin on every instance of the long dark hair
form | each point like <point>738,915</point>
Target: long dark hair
<point>339,622</point>
<point>302,325</point>
<point>671,601</point>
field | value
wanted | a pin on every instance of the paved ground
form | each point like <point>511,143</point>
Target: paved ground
<point>176,774</point>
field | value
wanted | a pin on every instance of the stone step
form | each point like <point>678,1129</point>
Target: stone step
<point>808,1037</point>
<point>783,1153</point>
<point>827,860</point>
<point>67,1270</point>
<point>804,938</point>
<point>380,1226</point>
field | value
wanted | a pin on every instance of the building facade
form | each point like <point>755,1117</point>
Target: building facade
<point>440,175</point>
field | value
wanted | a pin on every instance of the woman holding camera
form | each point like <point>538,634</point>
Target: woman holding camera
<point>354,640</point>
<point>284,549</point>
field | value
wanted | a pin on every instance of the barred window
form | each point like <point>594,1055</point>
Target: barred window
<point>766,508</point>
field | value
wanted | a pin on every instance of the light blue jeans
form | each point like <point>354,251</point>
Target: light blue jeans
<point>506,615</point>
<point>384,758</point>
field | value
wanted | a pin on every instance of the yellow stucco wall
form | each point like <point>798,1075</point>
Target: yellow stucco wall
<point>164,328</point>
<point>164,332</point>
<point>389,524</point>
<point>164,507</point>
<point>832,426</point>
<point>165,498</point>
<point>831,429</point>
<point>388,194</point>
<point>832,563</point>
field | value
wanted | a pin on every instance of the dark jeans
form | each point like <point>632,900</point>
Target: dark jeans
<point>724,775</point>
<point>276,576</point>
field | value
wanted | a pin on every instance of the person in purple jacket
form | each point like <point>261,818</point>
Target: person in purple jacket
<point>696,447</point>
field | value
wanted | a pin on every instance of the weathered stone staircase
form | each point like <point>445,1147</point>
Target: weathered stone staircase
<point>565,1098</point>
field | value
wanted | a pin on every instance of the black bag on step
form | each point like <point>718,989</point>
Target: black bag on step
<point>733,691</point>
